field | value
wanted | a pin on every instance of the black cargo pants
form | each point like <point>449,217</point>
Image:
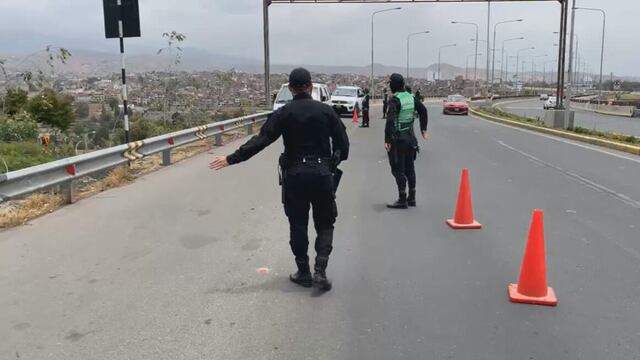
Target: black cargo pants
<point>306,190</point>
<point>402,161</point>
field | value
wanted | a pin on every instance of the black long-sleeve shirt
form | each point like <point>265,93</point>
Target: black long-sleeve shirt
<point>392,117</point>
<point>309,128</point>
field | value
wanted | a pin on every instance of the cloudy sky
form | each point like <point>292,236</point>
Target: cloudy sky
<point>332,34</point>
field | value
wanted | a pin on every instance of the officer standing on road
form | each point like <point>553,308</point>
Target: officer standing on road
<point>385,103</point>
<point>400,140</point>
<point>365,109</point>
<point>315,142</point>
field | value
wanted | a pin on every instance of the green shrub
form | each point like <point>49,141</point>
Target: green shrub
<point>25,154</point>
<point>20,127</point>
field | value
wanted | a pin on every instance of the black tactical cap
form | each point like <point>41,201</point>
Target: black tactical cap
<point>396,82</point>
<point>299,78</point>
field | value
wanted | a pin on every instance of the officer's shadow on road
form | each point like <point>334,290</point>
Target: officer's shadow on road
<point>275,284</point>
<point>380,208</point>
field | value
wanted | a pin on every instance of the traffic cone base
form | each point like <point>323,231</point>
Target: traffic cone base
<point>474,225</point>
<point>516,297</point>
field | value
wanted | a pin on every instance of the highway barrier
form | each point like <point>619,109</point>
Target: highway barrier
<point>65,172</point>
<point>614,110</point>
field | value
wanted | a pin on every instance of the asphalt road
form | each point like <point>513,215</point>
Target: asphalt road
<point>166,268</point>
<point>586,119</point>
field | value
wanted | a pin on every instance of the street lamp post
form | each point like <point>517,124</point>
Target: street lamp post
<point>372,59</point>
<point>475,71</point>
<point>408,38</point>
<point>518,61</point>
<point>503,52</point>
<point>604,25</point>
<point>440,57</point>
<point>493,60</point>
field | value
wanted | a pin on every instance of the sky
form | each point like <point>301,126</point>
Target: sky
<point>337,34</point>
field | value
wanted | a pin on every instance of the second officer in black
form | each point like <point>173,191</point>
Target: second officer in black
<point>315,142</point>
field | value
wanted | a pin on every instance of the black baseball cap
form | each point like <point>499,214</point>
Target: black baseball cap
<point>396,82</point>
<point>299,78</point>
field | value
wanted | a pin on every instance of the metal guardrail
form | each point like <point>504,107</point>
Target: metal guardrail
<point>63,172</point>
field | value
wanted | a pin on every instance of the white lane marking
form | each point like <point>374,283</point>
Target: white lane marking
<point>574,143</point>
<point>576,177</point>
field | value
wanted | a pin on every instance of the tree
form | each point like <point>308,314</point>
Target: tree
<point>113,103</point>
<point>15,100</point>
<point>82,110</point>
<point>175,58</point>
<point>172,38</point>
<point>54,55</point>
<point>20,127</point>
<point>52,109</point>
<point>106,116</point>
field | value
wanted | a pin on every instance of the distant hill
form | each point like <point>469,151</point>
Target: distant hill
<point>143,59</point>
<point>88,62</point>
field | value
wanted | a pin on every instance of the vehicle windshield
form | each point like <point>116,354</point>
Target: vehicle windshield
<point>284,96</point>
<point>345,92</point>
<point>456,98</point>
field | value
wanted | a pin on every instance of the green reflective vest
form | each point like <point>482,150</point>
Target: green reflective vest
<point>407,112</point>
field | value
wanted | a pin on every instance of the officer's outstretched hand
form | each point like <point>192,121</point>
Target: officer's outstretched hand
<point>219,163</point>
<point>425,135</point>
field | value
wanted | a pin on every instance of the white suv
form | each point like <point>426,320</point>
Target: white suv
<point>320,93</point>
<point>345,99</point>
<point>550,103</point>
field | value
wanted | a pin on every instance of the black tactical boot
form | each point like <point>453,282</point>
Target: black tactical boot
<point>303,276</point>
<point>401,203</point>
<point>411,200</point>
<point>320,280</point>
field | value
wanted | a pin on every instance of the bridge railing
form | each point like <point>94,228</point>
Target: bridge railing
<point>66,171</point>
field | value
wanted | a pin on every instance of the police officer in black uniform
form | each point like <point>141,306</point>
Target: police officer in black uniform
<point>315,142</point>
<point>365,109</point>
<point>400,140</point>
<point>385,103</point>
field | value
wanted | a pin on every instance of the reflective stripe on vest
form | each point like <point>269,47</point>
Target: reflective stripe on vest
<point>407,111</point>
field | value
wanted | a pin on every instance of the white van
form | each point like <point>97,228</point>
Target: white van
<point>320,93</point>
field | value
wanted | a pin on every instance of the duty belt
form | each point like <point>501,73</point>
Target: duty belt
<point>313,160</point>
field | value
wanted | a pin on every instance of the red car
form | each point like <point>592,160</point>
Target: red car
<point>455,104</point>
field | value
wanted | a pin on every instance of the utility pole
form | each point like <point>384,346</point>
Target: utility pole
<point>567,108</point>
<point>267,61</point>
<point>488,46</point>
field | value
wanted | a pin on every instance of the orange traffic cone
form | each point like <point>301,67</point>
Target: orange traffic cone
<point>463,218</point>
<point>355,116</point>
<point>532,287</point>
